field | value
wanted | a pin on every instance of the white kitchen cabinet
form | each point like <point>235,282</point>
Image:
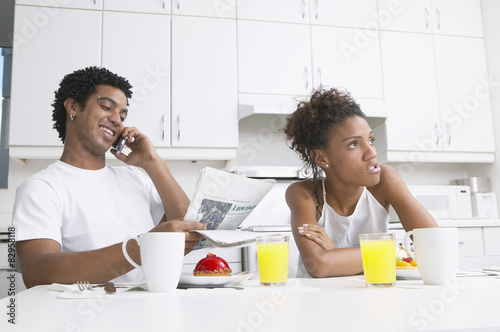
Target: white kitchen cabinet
<point>75,4</point>
<point>405,15</point>
<point>457,17</point>
<point>204,82</point>
<point>45,51</point>
<point>341,59</point>
<point>470,242</point>
<point>446,17</point>
<point>464,98</point>
<point>295,11</point>
<point>274,58</point>
<point>436,93</point>
<point>217,8</point>
<point>135,43</point>
<point>345,13</point>
<point>143,6</point>
<point>137,46</point>
<point>411,94</point>
<point>491,243</point>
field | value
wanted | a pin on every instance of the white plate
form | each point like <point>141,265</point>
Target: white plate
<point>407,274</point>
<point>219,281</point>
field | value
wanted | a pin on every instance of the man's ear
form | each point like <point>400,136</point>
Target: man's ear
<point>71,106</point>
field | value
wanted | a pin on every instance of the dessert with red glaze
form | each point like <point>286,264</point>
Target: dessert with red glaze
<point>212,266</point>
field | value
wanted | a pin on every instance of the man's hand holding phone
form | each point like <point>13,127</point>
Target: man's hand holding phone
<point>119,144</point>
<point>142,150</point>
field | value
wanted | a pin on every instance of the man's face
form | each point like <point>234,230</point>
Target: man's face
<point>100,123</point>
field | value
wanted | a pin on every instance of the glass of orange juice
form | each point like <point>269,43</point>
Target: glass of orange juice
<point>272,257</point>
<point>379,258</point>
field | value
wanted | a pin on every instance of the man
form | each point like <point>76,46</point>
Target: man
<point>72,217</point>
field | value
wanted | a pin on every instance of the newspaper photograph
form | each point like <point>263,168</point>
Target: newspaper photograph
<point>223,200</point>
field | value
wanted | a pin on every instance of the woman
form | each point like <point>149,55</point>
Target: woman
<point>331,134</point>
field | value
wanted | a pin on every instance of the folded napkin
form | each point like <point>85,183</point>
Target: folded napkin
<point>73,292</point>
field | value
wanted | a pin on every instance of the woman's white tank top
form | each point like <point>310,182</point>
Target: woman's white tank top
<point>369,216</point>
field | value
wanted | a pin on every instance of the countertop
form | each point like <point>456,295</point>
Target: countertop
<point>329,304</point>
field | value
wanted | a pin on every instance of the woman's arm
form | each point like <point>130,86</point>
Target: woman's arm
<point>392,190</point>
<point>320,257</point>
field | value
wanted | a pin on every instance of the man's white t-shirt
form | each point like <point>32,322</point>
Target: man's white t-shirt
<point>87,209</point>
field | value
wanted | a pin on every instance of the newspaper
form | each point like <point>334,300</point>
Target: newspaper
<point>223,200</point>
<point>228,238</point>
<point>231,238</point>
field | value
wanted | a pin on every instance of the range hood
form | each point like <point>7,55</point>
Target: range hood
<point>261,104</point>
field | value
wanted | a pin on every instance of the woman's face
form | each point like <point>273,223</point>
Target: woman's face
<point>351,155</point>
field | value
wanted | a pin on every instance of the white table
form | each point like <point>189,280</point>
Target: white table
<point>330,304</point>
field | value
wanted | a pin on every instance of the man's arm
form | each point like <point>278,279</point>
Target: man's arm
<point>144,155</point>
<point>42,261</point>
<point>175,201</point>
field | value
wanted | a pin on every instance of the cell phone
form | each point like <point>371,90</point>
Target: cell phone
<point>119,144</point>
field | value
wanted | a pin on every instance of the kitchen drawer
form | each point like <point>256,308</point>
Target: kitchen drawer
<point>491,237</point>
<point>470,242</point>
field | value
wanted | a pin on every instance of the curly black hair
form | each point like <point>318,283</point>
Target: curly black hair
<point>310,126</point>
<point>79,85</point>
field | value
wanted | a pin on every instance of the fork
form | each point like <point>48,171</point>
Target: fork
<point>84,285</point>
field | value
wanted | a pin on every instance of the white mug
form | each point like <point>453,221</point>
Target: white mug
<point>162,255</point>
<point>436,253</point>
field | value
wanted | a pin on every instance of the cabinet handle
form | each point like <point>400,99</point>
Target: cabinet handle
<point>303,8</point>
<point>95,2</point>
<point>163,127</point>
<point>438,19</point>
<point>163,4</point>
<point>317,8</point>
<point>178,4</point>
<point>427,18</point>
<point>178,127</point>
<point>438,136</point>
<point>306,77</point>
<point>320,78</point>
<point>449,133</point>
